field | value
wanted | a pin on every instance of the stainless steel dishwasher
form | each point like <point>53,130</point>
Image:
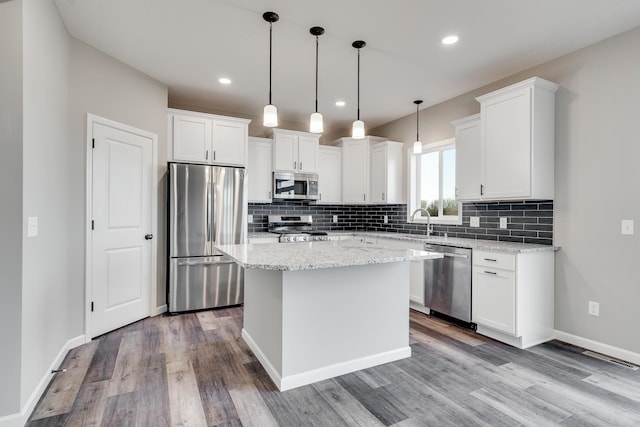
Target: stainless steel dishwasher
<point>447,282</point>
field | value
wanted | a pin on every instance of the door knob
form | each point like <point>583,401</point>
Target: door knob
<point>148,236</point>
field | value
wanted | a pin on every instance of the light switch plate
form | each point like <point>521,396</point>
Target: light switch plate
<point>626,227</point>
<point>250,219</point>
<point>335,218</point>
<point>503,222</point>
<point>594,308</point>
<point>475,221</point>
<point>32,226</point>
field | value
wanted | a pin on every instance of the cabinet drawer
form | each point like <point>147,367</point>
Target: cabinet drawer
<point>494,260</point>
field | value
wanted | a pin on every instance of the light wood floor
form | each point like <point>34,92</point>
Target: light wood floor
<point>193,369</point>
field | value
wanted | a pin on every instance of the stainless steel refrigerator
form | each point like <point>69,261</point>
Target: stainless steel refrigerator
<point>207,206</point>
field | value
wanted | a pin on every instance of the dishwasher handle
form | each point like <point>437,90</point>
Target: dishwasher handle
<point>446,254</point>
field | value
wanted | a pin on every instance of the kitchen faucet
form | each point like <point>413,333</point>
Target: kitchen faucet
<point>413,216</point>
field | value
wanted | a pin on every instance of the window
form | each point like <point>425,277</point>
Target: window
<point>432,184</point>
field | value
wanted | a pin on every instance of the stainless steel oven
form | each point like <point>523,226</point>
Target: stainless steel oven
<point>301,186</point>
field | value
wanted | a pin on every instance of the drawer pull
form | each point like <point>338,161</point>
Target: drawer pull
<point>491,272</point>
<point>490,259</point>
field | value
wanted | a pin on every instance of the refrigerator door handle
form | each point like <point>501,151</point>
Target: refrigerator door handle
<point>208,212</point>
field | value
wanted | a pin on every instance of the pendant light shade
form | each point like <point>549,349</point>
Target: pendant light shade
<point>417,146</point>
<point>357,131</point>
<point>270,117</point>
<point>315,122</point>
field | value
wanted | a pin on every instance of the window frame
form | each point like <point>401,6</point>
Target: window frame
<point>413,188</point>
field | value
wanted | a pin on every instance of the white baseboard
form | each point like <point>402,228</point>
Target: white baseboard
<point>297,380</point>
<point>20,419</point>
<point>159,310</point>
<point>598,347</point>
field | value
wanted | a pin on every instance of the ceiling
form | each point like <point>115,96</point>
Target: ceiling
<point>189,44</point>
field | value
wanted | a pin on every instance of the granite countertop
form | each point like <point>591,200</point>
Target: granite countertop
<point>313,255</point>
<point>487,245</point>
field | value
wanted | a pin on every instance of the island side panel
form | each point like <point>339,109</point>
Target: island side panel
<point>339,320</point>
<point>262,328</point>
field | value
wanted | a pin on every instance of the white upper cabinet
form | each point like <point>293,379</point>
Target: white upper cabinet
<point>329,174</point>
<point>191,137</point>
<point>517,131</point>
<point>355,169</point>
<point>386,176</point>
<point>372,170</point>
<point>468,170</point>
<point>207,138</point>
<point>259,170</point>
<point>295,151</point>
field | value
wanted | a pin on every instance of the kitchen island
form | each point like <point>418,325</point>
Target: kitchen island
<point>317,310</point>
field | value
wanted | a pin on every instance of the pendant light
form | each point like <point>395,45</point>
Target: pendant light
<point>270,118</point>
<point>417,146</point>
<point>357,131</point>
<point>315,122</point>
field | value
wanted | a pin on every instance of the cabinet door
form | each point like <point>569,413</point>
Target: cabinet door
<point>229,143</point>
<point>329,174</point>
<point>494,299</point>
<point>355,172</point>
<point>285,152</point>
<point>191,138</point>
<point>378,174</point>
<point>259,171</point>
<point>307,154</point>
<point>506,145</point>
<point>468,171</point>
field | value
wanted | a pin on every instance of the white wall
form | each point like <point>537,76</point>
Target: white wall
<point>104,86</point>
<point>45,258</point>
<point>11,204</point>
<point>597,182</point>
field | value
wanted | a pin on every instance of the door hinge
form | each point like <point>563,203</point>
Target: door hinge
<point>93,225</point>
<point>93,143</point>
<point>91,306</point>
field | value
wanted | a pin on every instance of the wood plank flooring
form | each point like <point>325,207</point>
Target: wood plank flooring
<point>194,369</point>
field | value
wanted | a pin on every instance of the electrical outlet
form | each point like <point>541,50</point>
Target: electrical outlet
<point>335,218</point>
<point>503,222</point>
<point>594,308</point>
<point>250,219</point>
<point>386,219</point>
<point>475,221</point>
<point>626,226</point>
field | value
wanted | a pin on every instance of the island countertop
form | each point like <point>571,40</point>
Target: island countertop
<point>314,255</point>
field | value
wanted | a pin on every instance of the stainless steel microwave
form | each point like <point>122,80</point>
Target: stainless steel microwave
<point>301,186</point>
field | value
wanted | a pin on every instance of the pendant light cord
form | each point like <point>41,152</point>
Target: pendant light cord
<point>270,56</point>
<point>316,74</point>
<point>358,116</point>
<point>417,122</point>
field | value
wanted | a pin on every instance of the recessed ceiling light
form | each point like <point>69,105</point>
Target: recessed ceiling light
<point>450,40</point>
<point>224,81</point>
<point>340,103</point>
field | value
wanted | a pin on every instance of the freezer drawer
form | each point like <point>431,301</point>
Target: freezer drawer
<point>204,282</point>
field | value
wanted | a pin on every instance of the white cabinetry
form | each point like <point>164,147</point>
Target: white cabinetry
<point>517,141</point>
<point>416,272</point>
<point>468,171</point>
<point>386,177</point>
<point>512,297</point>
<point>329,174</point>
<point>259,170</point>
<point>207,138</point>
<point>295,151</point>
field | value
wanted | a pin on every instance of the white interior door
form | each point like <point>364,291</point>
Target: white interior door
<point>121,213</point>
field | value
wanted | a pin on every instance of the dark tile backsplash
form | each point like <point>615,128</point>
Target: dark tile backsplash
<point>528,221</point>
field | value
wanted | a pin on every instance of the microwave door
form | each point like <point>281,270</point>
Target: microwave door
<point>285,187</point>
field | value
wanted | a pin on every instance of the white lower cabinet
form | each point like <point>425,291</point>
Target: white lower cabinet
<point>416,268</point>
<point>512,296</point>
